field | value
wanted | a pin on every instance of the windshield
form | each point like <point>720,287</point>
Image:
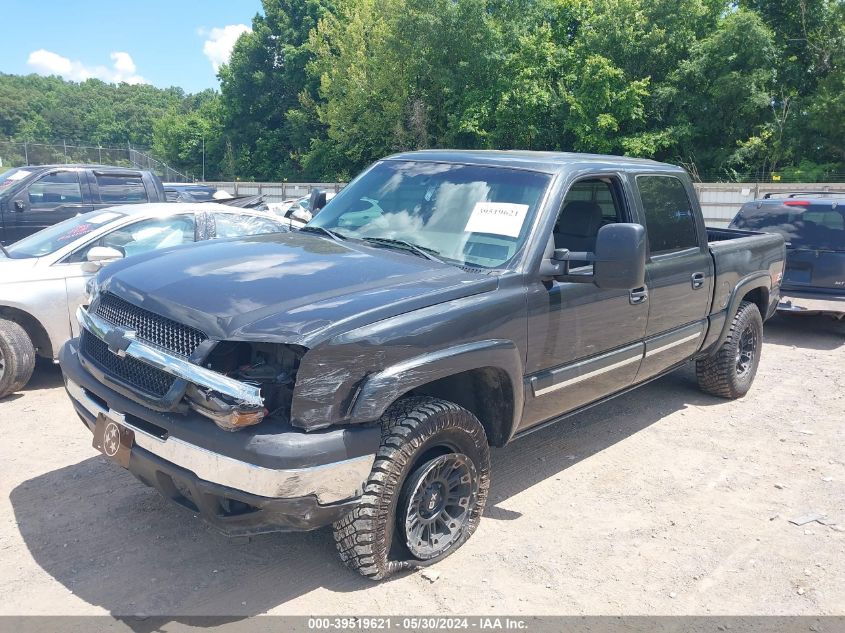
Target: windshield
<point>59,235</point>
<point>465,214</point>
<point>803,225</point>
<point>10,177</point>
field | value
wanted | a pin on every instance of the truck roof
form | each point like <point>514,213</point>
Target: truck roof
<point>549,162</point>
<point>80,166</point>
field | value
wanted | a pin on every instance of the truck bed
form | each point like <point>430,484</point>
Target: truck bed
<point>722,235</point>
<point>738,254</point>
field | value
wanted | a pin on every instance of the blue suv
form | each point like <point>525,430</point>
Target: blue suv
<point>813,225</point>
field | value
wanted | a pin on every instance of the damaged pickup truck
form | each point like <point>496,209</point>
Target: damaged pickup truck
<point>355,373</point>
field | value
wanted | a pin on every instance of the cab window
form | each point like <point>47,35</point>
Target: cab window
<point>589,205</point>
<point>121,189</point>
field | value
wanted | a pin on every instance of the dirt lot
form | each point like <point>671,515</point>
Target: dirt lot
<point>663,501</point>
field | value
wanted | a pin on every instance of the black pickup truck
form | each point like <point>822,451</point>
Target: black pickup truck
<point>356,372</point>
<point>35,197</point>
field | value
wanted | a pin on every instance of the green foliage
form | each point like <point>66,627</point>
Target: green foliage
<point>321,88</point>
<point>50,109</point>
<point>262,88</point>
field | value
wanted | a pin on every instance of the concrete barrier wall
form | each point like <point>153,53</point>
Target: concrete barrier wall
<point>719,201</point>
<point>276,191</point>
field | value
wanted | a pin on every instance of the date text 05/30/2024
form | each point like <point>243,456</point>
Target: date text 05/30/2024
<point>417,623</point>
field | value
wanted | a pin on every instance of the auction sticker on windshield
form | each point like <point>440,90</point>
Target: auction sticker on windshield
<point>497,218</point>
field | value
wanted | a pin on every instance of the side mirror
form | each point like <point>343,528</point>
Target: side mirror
<point>620,256</point>
<point>301,215</point>
<point>618,261</point>
<point>99,256</point>
<point>317,201</point>
<point>103,254</point>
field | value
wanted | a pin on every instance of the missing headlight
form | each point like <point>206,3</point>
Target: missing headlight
<point>270,366</point>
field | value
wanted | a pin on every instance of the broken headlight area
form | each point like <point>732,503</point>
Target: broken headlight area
<point>271,367</point>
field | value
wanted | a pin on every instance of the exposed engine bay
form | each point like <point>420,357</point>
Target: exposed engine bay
<point>270,366</point>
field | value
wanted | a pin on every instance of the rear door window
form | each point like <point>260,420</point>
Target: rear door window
<point>230,225</point>
<point>670,222</point>
<point>121,189</point>
<point>55,189</point>
<point>810,226</point>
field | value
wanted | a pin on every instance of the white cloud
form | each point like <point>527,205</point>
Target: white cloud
<point>220,42</point>
<point>123,69</point>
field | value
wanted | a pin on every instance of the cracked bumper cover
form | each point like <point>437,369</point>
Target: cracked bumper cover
<point>265,478</point>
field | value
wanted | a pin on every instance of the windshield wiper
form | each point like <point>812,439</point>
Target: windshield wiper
<point>422,251</point>
<point>320,229</point>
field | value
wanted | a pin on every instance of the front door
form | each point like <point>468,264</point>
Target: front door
<point>679,273</point>
<point>54,197</point>
<point>584,342</point>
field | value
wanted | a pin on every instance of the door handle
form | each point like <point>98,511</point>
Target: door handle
<point>697,280</point>
<point>638,296</point>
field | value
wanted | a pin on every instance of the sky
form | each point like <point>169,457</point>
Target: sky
<point>159,42</point>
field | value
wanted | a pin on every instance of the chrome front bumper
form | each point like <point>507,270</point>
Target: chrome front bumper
<point>123,343</point>
<point>329,483</point>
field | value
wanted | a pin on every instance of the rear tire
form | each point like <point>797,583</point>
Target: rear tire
<point>730,370</point>
<point>17,357</point>
<point>426,492</point>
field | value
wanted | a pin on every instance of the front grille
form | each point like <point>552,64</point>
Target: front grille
<point>141,376</point>
<point>149,327</point>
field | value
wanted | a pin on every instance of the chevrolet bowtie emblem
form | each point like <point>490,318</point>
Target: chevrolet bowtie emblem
<point>119,339</point>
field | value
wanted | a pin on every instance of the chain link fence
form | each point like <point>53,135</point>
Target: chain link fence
<point>19,153</point>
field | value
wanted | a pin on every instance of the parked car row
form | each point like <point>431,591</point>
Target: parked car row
<point>35,197</point>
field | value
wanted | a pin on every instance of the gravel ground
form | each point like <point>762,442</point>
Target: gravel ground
<point>662,501</point>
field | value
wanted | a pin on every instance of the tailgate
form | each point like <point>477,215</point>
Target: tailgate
<point>811,269</point>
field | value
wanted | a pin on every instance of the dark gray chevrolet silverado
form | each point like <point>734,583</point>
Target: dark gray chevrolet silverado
<point>355,373</point>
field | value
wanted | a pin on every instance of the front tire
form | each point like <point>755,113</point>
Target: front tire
<point>17,357</point>
<point>730,370</point>
<point>426,492</point>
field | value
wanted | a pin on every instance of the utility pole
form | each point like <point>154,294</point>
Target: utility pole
<point>203,158</point>
<point>25,153</point>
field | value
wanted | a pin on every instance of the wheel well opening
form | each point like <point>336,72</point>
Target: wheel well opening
<point>487,393</point>
<point>33,328</point>
<point>759,297</point>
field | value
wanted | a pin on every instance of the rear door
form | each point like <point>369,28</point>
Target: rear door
<point>679,272</point>
<point>113,188</point>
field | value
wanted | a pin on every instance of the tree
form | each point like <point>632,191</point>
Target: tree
<point>727,96</point>
<point>262,86</point>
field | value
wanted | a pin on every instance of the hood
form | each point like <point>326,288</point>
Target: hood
<point>287,287</point>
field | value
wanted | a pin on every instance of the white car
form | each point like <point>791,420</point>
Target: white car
<point>43,276</point>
